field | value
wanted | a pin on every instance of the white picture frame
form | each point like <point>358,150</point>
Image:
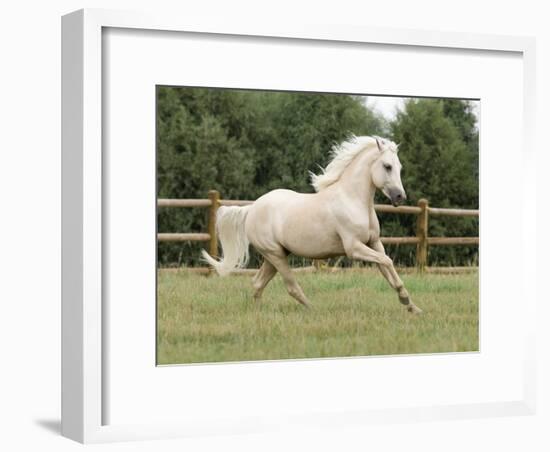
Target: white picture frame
<point>83,345</point>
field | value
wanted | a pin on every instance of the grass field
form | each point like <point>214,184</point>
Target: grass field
<point>355,313</point>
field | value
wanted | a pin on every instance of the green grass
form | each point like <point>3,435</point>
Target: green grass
<point>355,313</point>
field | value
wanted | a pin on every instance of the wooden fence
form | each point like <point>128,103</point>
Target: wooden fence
<point>422,211</point>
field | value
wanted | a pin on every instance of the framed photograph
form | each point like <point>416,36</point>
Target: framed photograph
<point>292,227</point>
<point>329,231</point>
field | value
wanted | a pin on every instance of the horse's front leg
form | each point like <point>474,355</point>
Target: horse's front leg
<point>389,272</point>
<point>376,254</point>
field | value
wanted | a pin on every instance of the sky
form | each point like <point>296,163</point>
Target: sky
<point>388,106</point>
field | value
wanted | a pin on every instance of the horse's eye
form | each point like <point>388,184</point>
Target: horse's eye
<point>387,167</point>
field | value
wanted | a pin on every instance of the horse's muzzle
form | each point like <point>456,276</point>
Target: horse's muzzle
<point>397,197</point>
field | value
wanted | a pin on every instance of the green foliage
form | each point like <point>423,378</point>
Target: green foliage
<point>439,153</point>
<point>246,143</point>
<point>201,143</point>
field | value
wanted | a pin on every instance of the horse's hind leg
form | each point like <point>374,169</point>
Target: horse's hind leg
<point>261,279</point>
<point>292,286</point>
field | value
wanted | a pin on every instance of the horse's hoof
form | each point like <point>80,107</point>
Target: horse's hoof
<point>413,309</point>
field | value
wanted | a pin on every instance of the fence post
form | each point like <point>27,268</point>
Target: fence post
<point>214,197</point>
<point>422,235</point>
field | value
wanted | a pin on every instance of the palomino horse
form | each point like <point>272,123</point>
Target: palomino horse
<point>339,219</point>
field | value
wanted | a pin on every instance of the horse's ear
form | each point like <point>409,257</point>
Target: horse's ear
<point>397,147</point>
<point>378,143</point>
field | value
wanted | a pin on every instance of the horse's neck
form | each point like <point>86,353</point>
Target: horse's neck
<point>356,180</point>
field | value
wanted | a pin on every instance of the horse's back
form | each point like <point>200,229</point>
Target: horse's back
<point>297,222</point>
<point>278,195</point>
<point>278,202</point>
<point>269,208</point>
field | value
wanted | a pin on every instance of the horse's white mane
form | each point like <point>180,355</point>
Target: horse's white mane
<point>342,155</point>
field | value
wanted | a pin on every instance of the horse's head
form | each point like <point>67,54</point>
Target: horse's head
<point>386,172</point>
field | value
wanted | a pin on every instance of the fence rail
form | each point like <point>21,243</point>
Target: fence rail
<point>183,237</point>
<point>422,211</point>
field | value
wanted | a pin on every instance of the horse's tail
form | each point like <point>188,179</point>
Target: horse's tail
<point>230,229</point>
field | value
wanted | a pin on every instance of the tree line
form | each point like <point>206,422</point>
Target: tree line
<point>246,143</point>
